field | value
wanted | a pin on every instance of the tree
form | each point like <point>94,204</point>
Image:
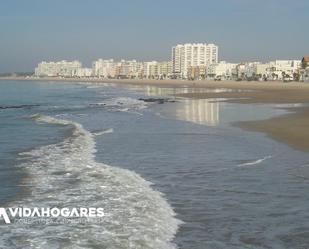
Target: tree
<point>296,76</point>
<point>283,75</point>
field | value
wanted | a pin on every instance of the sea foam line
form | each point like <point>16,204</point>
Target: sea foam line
<point>102,132</point>
<point>254,162</point>
<point>66,175</point>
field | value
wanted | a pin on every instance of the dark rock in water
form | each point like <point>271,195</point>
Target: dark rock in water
<point>16,106</point>
<point>156,100</point>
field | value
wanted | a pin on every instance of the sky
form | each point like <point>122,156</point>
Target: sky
<point>245,30</point>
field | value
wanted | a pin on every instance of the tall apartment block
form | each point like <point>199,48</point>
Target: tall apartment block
<point>186,56</point>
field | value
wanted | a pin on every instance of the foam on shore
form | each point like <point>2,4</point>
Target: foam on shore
<point>66,175</point>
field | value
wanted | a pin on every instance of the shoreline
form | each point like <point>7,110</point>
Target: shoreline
<point>291,129</point>
<point>231,84</point>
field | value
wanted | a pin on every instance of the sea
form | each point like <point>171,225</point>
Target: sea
<point>169,172</point>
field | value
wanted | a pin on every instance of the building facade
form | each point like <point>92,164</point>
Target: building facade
<point>188,56</point>
<point>83,72</point>
<point>62,68</point>
<point>104,68</point>
<point>304,71</point>
<point>280,69</point>
<point>222,69</point>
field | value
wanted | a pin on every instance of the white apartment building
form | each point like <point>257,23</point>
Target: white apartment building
<point>148,69</point>
<point>104,68</point>
<point>189,55</point>
<point>127,69</point>
<point>164,69</point>
<point>304,71</point>
<point>83,72</point>
<point>112,69</point>
<point>261,69</point>
<point>252,70</point>
<point>157,70</point>
<point>53,69</point>
<point>279,68</point>
<point>222,69</point>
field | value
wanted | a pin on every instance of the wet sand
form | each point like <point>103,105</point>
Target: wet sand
<point>292,129</point>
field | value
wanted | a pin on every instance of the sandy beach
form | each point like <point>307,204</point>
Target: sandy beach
<point>291,129</point>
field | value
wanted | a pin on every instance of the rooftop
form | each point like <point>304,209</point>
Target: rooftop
<point>306,59</point>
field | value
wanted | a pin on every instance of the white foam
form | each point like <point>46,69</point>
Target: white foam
<point>254,162</point>
<point>125,104</point>
<point>66,175</point>
<point>102,132</point>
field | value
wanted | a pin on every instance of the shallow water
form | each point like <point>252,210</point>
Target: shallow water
<point>99,145</point>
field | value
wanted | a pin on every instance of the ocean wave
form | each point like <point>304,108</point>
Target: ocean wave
<point>258,161</point>
<point>124,104</point>
<point>66,175</point>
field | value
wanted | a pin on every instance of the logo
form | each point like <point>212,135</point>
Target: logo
<point>49,213</point>
<point>4,215</point>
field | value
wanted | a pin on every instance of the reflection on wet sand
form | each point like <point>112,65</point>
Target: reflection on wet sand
<point>161,91</point>
<point>199,111</point>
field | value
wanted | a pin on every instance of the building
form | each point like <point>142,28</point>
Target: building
<point>104,68</point>
<point>211,54</point>
<point>185,56</point>
<point>62,68</point>
<point>240,72</point>
<point>281,69</point>
<point>120,69</point>
<point>126,69</point>
<point>157,70</point>
<point>164,69</point>
<point>256,70</point>
<point>83,72</point>
<point>304,70</point>
<point>222,70</point>
<point>196,72</point>
<point>261,70</point>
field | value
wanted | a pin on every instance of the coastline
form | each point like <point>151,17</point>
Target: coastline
<point>230,84</point>
<point>291,128</point>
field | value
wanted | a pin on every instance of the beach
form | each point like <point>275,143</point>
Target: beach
<point>177,173</point>
<point>290,129</point>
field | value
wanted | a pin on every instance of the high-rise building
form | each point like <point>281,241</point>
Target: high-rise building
<point>185,56</point>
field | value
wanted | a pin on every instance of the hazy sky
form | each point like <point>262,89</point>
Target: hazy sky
<point>256,30</point>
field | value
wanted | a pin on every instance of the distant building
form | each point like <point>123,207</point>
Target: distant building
<point>261,70</point>
<point>256,70</point>
<point>304,70</point>
<point>274,70</point>
<point>281,69</point>
<point>83,72</point>
<point>104,68</point>
<point>196,72</point>
<point>157,70</point>
<point>222,70</point>
<point>185,56</point>
<point>126,69</point>
<point>240,71</point>
<point>148,69</point>
<point>164,69</point>
<point>62,68</point>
